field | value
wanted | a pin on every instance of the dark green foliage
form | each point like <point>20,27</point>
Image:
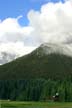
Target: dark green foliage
<point>37,77</point>
<point>35,90</point>
<point>33,66</point>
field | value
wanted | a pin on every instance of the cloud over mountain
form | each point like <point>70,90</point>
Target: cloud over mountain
<point>13,36</point>
<point>52,24</point>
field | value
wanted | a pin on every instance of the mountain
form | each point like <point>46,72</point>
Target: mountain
<point>64,49</point>
<point>49,61</point>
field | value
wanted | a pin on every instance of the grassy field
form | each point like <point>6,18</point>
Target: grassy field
<point>16,104</point>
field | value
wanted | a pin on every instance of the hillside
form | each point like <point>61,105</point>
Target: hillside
<point>47,61</point>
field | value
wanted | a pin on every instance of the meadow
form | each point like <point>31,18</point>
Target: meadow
<point>18,104</point>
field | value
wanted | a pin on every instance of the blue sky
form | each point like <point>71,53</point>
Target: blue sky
<point>15,8</point>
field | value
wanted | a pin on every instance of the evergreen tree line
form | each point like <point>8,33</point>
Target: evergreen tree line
<point>35,90</point>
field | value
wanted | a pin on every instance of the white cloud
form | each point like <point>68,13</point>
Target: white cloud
<point>10,30</point>
<point>53,23</point>
<point>13,37</point>
<point>17,48</point>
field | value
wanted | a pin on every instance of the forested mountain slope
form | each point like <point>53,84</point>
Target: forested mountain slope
<point>47,61</point>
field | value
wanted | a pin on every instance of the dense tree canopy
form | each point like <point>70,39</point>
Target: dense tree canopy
<point>35,90</point>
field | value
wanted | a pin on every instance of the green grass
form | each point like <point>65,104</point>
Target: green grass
<point>16,104</point>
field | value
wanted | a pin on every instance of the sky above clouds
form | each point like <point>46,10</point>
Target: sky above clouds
<point>15,8</point>
<point>25,24</point>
